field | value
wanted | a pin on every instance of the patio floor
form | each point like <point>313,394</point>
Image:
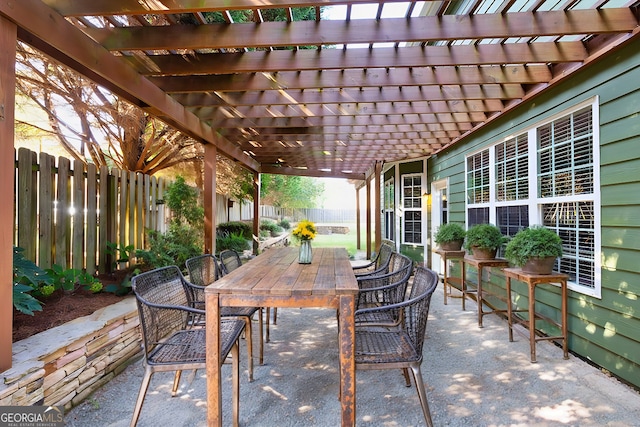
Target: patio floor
<point>475,377</point>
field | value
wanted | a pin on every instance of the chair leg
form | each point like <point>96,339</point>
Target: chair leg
<point>235,363</point>
<point>422,394</point>
<point>141,394</point>
<point>176,383</point>
<point>249,339</point>
<point>405,372</point>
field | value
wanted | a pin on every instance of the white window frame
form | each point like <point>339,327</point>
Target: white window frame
<point>420,209</point>
<point>535,203</point>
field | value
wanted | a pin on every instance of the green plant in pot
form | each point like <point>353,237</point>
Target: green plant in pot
<point>483,241</point>
<point>534,249</point>
<point>450,237</point>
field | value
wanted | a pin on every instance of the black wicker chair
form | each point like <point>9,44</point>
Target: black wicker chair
<point>379,264</point>
<point>382,290</point>
<point>204,270</point>
<point>229,261</point>
<point>400,347</point>
<point>164,309</point>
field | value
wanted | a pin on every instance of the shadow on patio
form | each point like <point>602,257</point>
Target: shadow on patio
<point>475,377</point>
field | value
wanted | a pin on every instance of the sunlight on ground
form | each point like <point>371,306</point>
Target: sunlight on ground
<point>274,393</point>
<point>564,412</point>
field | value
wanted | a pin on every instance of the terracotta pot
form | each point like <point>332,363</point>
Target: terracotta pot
<point>539,265</point>
<point>454,245</point>
<point>483,253</point>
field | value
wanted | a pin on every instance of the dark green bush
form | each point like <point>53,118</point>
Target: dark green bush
<point>233,241</point>
<point>235,227</point>
<point>270,226</point>
<point>284,223</point>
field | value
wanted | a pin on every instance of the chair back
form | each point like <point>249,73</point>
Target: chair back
<point>390,287</point>
<point>203,269</point>
<point>156,292</point>
<point>384,255</point>
<point>416,312</point>
<point>229,260</point>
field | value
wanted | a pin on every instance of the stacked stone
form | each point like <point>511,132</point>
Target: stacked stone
<point>64,365</point>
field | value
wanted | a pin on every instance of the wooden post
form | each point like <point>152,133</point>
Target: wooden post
<point>358,214</point>
<point>8,39</point>
<point>378,204</point>
<point>210,154</point>
<point>368,218</point>
<point>256,212</point>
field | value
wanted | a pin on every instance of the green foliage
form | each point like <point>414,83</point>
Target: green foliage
<point>68,280</point>
<point>184,238</point>
<point>119,254</point>
<point>533,242</point>
<point>284,223</point>
<point>124,287</point>
<point>235,227</point>
<point>486,236</point>
<point>450,232</point>
<point>27,277</point>
<point>270,226</point>
<point>234,241</point>
<point>287,191</point>
<point>174,247</point>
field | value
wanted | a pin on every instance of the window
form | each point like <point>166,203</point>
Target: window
<point>547,175</point>
<point>389,209</point>
<point>412,204</point>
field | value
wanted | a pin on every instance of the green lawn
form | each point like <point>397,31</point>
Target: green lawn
<point>347,241</point>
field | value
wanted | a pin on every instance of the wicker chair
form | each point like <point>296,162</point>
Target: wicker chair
<point>384,289</point>
<point>229,261</point>
<point>400,347</point>
<point>164,310</point>
<point>379,264</point>
<point>204,270</point>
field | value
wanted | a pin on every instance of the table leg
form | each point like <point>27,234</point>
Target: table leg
<point>463,283</point>
<point>509,314</point>
<point>444,279</point>
<point>479,297</point>
<point>565,328</point>
<point>532,321</point>
<point>347,335</point>
<point>214,380</point>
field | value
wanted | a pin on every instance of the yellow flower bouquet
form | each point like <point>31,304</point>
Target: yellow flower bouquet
<point>305,230</point>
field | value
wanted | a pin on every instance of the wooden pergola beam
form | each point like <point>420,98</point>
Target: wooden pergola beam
<point>379,77</point>
<point>422,29</point>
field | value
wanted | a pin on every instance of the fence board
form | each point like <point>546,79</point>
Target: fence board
<point>111,213</point>
<point>124,197</point>
<point>140,207</point>
<point>77,226</point>
<point>92,219</point>
<point>147,194</point>
<point>27,203</point>
<point>153,217</point>
<point>131,212</point>
<point>45,207</point>
<point>63,220</point>
<point>103,209</point>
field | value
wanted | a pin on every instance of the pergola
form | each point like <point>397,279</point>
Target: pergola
<point>324,98</point>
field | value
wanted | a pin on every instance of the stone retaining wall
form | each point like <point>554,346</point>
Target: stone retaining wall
<point>64,365</point>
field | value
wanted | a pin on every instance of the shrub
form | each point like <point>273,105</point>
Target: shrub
<point>27,277</point>
<point>285,224</point>
<point>485,236</point>
<point>235,227</point>
<point>234,241</point>
<point>450,232</point>
<point>273,228</point>
<point>533,242</point>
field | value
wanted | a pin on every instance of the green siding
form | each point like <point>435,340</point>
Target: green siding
<point>416,253</point>
<point>410,167</point>
<point>603,330</point>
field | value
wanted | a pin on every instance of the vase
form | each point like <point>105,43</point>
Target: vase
<point>539,265</point>
<point>453,245</point>
<point>305,255</point>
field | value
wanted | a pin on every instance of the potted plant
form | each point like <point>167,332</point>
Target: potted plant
<point>450,237</point>
<point>483,241</point>
<point>534,249</point>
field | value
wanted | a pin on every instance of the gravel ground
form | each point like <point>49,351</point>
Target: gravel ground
<point>475,377</point>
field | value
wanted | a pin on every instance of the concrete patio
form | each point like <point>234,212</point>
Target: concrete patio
<point>475,377</point>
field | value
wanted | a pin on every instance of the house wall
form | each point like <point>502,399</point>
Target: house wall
<point>604,330</point>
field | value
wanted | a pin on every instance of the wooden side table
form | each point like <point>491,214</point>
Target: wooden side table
<point>481,264</point>
<point>533,280</point>
<point>452,282</point>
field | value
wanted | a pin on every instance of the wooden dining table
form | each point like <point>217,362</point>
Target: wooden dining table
<point>276,279</point>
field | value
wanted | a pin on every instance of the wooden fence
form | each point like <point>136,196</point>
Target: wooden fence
<point>65,213</point>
